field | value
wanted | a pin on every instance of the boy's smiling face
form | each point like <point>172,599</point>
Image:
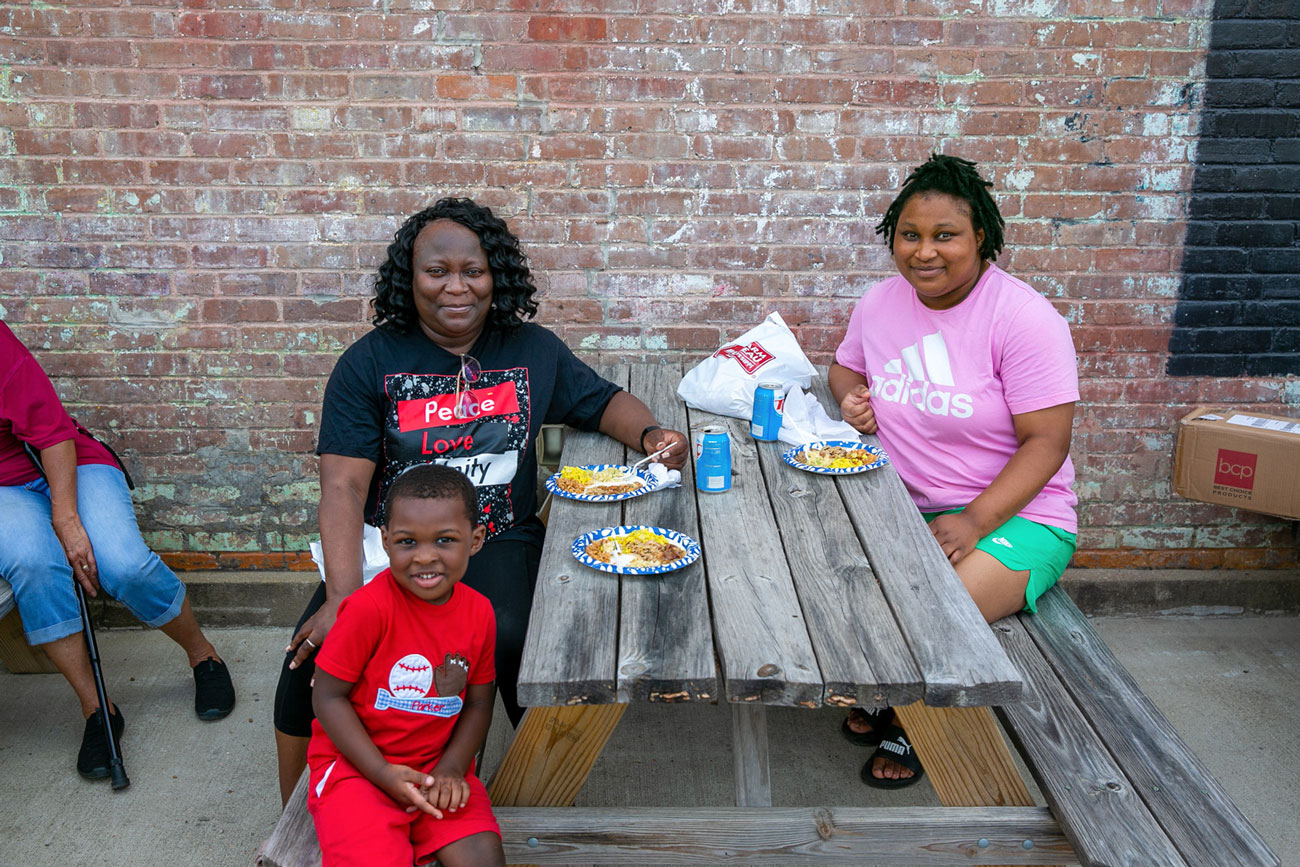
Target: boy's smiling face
<point>429,543</point>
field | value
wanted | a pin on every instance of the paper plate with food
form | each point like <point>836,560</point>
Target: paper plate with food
<point>835,457</point>
<point>636,550</point>
<point>599,483</point>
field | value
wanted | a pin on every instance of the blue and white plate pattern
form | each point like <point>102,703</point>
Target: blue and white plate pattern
<point>553,485</point>
<point>689,545</point>
<point>791,457</point>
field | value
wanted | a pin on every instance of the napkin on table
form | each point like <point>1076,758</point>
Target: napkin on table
<point>804,421</point>
<point>661,477</point>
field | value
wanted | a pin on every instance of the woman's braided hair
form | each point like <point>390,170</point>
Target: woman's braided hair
<point>958,178</point>
<point>512,282</point>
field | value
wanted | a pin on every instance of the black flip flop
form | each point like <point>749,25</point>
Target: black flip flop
<point>879,720</point>
<point>897,748</point>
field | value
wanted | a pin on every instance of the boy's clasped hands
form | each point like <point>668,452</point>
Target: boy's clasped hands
<point>440,789</point>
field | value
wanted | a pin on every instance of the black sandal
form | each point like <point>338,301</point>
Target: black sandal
<point>897,748</point>
<point>879,720</point>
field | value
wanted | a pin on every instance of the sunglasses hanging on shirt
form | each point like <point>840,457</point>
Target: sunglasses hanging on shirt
<point>470,371</point>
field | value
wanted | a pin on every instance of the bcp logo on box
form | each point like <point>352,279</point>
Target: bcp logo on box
<point>1235,469</point>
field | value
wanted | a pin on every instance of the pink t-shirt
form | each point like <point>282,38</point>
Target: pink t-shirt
<point>945,383</point>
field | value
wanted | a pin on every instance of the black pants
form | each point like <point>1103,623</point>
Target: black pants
<point>505,571</point>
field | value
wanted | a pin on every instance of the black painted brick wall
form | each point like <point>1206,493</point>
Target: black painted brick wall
<point>1239,307</point>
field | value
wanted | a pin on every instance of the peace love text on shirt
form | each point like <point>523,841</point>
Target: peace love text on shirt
<point>439,409</point>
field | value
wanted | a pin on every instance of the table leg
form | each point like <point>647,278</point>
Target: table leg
<point>552,753</point>
<point>965,756</point>
<point>749,748</point>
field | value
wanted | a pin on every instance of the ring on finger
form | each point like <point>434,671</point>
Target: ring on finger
<point>310,643</point>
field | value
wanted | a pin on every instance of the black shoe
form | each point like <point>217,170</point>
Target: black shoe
<point>93,759</point>
<point>214,694</point>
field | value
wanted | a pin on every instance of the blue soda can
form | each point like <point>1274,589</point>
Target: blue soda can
<point>713,460</point>
<point>765,422</point>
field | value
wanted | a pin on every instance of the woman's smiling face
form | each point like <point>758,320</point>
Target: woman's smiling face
<point>451,284</point>
<point>937,249</point>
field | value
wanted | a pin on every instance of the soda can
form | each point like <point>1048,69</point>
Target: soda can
<point>713,459</point>
<point>765,421</point>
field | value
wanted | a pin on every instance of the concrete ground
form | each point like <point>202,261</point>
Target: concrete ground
<point>205,793</point>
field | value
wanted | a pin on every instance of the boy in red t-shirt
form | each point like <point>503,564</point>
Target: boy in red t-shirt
<point>404,691</point>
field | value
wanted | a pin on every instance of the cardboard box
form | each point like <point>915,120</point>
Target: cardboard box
<point>1244,459</point>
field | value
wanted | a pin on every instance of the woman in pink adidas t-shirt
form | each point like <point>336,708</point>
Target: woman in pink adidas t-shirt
<point>968,376</point>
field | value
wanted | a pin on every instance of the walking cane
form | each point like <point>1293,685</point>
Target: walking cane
<point>115,766</point>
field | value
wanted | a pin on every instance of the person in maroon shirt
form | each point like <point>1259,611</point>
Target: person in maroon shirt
<point>74,521</point>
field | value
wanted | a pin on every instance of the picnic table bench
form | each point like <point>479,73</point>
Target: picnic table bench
<point>17,656</point>
<point>829,590</point>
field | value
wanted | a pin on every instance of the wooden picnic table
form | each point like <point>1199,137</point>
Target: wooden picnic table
<point>818,590</point>
<point>812,590</point>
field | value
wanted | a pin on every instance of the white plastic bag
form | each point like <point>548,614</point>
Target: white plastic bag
<point>724,382</point>
<point>804,421</point>
<point>374,557</point>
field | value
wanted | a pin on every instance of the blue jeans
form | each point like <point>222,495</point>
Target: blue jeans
<point>32,560</point>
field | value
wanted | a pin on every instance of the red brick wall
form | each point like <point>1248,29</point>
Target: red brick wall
<point>192,201</point>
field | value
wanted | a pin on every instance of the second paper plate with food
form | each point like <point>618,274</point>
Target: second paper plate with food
<point>636,550</point>
<point>835,457</point>
<point>599,483</point>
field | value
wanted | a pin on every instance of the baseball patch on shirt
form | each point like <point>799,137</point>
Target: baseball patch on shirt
<point>411,678</point>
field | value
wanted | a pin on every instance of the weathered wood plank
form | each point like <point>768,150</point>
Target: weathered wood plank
<point>758,625</point>
<point>753,776</point>
<point>1098,810</point>
<point>665,636</point>
<point>803,835</point>
<point>1191,805</point>
<point>863,657</point>
<point>293,841</point>
<point>960,660</point>
<point>570,652</point>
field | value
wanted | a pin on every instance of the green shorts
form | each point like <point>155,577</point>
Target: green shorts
<point>1021,544</point>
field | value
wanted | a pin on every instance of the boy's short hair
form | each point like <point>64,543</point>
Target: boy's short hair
<point>434,482</point>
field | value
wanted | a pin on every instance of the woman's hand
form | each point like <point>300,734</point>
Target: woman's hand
<point>78,550</point>
<point>856,409</point>
<point>957,535</point>
<point>307,639</point>
<point>626,418</point>
<point>675,458</point>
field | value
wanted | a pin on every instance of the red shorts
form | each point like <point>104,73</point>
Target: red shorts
<point>358,824</point>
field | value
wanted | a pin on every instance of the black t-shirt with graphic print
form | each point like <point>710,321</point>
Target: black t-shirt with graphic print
<point>390,400</point>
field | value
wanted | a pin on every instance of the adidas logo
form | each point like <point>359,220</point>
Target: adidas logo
<point>920,376</point>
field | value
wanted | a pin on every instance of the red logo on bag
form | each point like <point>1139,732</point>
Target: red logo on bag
<point>750,357</point>
<point>1235,469</point>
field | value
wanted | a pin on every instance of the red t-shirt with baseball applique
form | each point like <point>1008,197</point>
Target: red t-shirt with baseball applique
<point>400,653</point>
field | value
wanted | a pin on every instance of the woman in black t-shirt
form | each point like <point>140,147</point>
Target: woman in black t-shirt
<point>451,374</point>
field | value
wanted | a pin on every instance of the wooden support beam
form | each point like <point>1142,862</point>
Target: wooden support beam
<point>552,754</point>
<point>750,756</point>
<point>965,756</point>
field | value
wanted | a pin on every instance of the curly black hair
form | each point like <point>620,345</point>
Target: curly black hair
<point>512,282</point>
<point>957,178</point>
<point>434,482</point>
